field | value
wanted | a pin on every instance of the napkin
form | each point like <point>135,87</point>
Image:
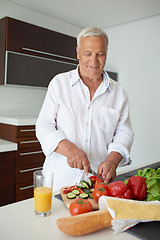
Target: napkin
<point>127,213</point>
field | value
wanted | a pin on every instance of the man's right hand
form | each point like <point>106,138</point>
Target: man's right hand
<point>76,158</point>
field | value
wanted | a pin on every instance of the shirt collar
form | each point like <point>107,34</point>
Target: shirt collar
<point>75,78</point>
<point>106,80</point>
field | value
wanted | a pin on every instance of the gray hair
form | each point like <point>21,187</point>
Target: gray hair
<point>91,31</point>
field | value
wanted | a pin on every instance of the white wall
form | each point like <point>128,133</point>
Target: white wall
<point>134,52</point>
<point>20,99</point>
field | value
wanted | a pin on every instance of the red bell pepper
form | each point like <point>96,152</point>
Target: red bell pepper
<point>119,189</point>
<point>138,187</point>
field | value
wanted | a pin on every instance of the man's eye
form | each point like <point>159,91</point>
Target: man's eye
<point>88,54</point>
<point>100,54</point>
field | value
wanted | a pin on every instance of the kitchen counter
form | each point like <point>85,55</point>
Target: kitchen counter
<point>18,221</point>
<point>6,146</point>
<point>18,120</point>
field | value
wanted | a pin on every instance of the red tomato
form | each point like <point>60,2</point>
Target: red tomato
<point>80,206</point>
<point>98,192</point>
<point>102,184</point>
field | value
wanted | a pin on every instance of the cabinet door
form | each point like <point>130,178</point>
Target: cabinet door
<point>29,156</point>
<point>22,35</point>
<point>7,177</point>
<point>25,173</point>
<point>24,191</point>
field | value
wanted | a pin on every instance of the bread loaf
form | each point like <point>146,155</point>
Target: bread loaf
<point>85,223</point>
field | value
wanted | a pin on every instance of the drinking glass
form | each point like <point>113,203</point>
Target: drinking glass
<point>43,184</point>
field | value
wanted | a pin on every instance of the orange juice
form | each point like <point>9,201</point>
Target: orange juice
<point>42,199</point>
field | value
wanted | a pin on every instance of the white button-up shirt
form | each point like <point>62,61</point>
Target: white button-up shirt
<point>98,127</point>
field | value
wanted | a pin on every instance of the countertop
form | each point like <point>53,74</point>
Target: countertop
<point>18,221</point>
<point>6,146</point>
<point>18,119</point>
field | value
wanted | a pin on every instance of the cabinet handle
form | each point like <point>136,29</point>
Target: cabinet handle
<point>49,54</point>
<point>30,153</point>
<point>27,130</point>
<point>27,187</point>
<point>33,141</point>
<point>30,169</point>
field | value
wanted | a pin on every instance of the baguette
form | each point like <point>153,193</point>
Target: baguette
<point>85,223</point>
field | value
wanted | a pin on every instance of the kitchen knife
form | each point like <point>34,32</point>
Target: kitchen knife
<point>94,173</point>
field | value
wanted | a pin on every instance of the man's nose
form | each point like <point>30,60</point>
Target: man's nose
<point>94,58</point>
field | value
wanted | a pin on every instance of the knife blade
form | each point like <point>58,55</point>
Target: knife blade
<point>94,173</point>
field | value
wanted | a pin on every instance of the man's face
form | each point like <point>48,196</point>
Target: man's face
<point>92,56</point>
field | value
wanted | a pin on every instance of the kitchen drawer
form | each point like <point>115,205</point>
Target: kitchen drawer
<point>28,142</point>
<point>29,156</point>
<point>12,132</point>
<point>25,173</point>
<point>7,168</point>
<point>7,194</point>
<point>24,191</point>
<point>26,131</point>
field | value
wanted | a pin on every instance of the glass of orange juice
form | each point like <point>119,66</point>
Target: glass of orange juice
<point>43,184</point>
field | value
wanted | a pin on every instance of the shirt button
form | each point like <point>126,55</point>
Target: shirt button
<point>86,140</point>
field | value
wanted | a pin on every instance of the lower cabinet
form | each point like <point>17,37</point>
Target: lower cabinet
<point>7,177</point>
<point>27,161</point>
<point>17,167</point>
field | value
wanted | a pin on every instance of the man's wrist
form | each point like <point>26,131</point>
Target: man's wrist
<point>114,158</point>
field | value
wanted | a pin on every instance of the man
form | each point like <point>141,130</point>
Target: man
<point>84,121</point>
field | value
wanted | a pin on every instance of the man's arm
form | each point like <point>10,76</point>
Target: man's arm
<point>76,158</point>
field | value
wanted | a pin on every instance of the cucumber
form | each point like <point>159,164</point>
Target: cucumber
<point>85,184</point>
<point>71,195</point>
<point>90,195</point>
<point>90,182</point>
<point>76,192</point>
<point>83,195</point>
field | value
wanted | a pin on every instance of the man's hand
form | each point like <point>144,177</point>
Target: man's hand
<point>107,169</point>
<point>76,158</point>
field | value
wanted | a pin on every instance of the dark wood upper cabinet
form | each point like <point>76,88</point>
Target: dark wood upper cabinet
<point>31,55</point>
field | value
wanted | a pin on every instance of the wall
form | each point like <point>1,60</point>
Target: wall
<point>20,99</point>
<point>134,53</point>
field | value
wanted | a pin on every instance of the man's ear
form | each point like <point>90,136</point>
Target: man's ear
<point>77,50</point>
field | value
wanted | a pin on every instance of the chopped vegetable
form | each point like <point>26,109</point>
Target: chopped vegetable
<point>85,184</point>
<point>71,195</point>
<point>83,195</point>
<point>76,192</point>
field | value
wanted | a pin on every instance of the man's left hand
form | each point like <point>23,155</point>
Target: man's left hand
<point>107,169</point>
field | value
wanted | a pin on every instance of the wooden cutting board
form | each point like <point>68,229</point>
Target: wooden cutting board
<point>69,201</point>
